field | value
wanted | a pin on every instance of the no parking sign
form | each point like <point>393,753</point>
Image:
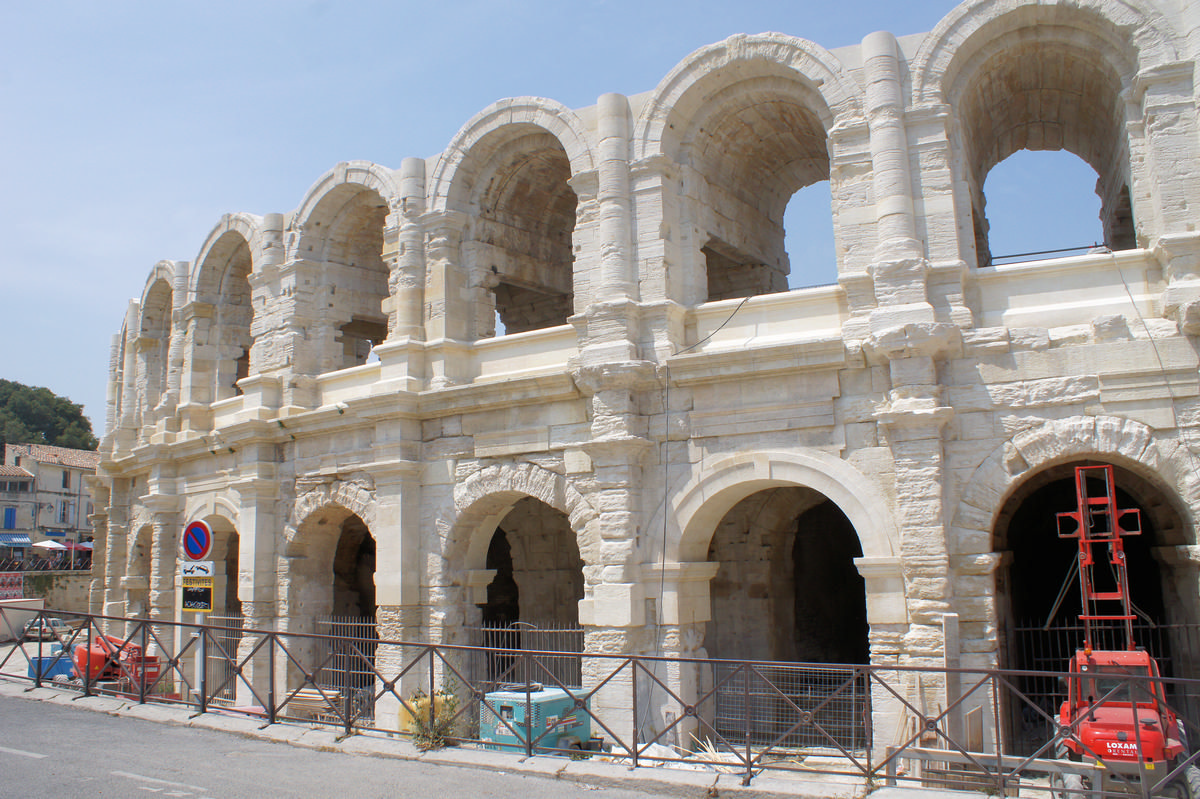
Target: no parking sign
<point>197,540</point>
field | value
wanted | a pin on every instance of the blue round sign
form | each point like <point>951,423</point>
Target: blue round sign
<point>197,540</point>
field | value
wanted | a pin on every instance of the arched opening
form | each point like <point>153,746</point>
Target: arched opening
<point>225,283</point>
<point>759,144</point>
<point>1039,599</point>
<point>1039,203</point>
<point>808,238</point>
<point>788,592</point>
<point>226,615</point>
<point>153,348</point>
<point>332,593</point>
<point>1046,87</point>
<point>348,222</point>
<point>533,599</point>
<point>519,248</point>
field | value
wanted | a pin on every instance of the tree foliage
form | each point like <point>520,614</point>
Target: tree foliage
<point>30,415</point>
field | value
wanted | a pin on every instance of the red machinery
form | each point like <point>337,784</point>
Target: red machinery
<point>1122,724</point>
<point>114,659</point>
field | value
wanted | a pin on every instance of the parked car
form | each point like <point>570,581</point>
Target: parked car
<point>47,629</point>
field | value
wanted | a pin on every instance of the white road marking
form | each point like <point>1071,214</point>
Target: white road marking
<point>143,778</point>
<point>20,752</point>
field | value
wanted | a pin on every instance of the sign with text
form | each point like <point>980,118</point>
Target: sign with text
<point>198,594</point>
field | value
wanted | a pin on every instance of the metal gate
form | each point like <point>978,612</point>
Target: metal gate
<point>492,668</point>
<point>347,661</point>
<point>221,655</point>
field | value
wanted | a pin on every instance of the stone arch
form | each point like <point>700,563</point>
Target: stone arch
<point>220,312</point>
<point>154,330</point>
<point>345,179</point>
<point>1123,442</point>
<point>1020,76</point>
<point>352,495</point>
<point>970,25</point>
<point>748,121</point>
<point>214,254</point>
<point>340,229</point>
<point>683,93</point>
<point>697,505</point>
<point>488,130</point>
<point>481,501</point>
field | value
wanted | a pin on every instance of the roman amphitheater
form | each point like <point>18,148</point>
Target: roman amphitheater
<point>555,373</point>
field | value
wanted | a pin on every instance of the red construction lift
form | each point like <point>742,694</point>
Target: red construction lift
<point>1122,724</point>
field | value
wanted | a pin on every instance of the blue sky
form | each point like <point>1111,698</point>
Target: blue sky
<point>130,128</point>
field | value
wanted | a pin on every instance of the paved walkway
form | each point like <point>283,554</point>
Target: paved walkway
<point>665,781</point>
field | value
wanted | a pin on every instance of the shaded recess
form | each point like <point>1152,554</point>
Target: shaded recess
<point>349,223</point>
<point>520,240</point>
<point>787,589</point>
<point>758,144</point>
<point>224,283</point>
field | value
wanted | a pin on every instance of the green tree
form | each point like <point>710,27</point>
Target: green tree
<point>30,415</point>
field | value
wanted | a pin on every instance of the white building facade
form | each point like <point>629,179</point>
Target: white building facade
<point>665,445</point>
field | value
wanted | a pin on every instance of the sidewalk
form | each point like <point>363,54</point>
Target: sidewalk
<point>593,772</point>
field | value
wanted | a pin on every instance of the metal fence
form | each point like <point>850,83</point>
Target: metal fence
<point>639,711</point>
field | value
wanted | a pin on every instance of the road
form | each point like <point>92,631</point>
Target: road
<point>58,751</point>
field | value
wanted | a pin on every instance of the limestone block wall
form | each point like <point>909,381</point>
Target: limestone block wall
<point>573,325</point>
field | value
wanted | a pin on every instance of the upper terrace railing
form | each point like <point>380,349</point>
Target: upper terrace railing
<point>639,707</point>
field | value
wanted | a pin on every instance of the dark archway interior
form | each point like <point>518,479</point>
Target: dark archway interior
<point>787,589</point>
<point>831,607</point>
<point>1041,561</point>
<point>354,571</point>
<point>504,597</point>
<point>233,605</point>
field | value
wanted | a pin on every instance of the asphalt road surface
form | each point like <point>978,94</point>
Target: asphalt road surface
<point>55,751</point>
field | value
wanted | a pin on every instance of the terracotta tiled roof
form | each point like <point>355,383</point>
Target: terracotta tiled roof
<point>42,453</point>
<point>13,471</point>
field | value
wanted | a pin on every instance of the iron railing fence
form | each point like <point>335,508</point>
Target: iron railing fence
<point>1047,650</point>
<point>933,727</point>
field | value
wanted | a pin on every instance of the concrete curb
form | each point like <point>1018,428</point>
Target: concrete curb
<point>596,773</point>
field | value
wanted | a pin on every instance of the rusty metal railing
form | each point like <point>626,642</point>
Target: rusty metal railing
<point>638,710</point>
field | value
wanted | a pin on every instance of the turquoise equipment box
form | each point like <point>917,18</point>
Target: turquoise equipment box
<point>554,722</point>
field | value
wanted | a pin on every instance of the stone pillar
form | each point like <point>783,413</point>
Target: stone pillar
<point>115,548</point>
<point>258,589</point>
<point>266,352</point>
<point>98,487</point>
<point>126,433</point>
<point>684,609</point>
<point>164,565</point>
<point>397,531</point>
<point>448,308</point>
<point>614,605</point>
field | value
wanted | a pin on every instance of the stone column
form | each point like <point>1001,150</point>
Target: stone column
<point>259,529</point>
<point>126,431</point>
<point>404,253</point>
<point>98,487</point>
<point>115,548</point>
<point>164,565</point>
<point>614,605</point>
<point>397,530</point>
<point>446,299</point>
<point>683,611</point>
<point>617,280</point>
